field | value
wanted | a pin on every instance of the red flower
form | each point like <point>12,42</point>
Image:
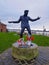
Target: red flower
<point>30,38</point>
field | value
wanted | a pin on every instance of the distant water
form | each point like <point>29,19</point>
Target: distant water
<point>33,31</point>
<point>43,33</point>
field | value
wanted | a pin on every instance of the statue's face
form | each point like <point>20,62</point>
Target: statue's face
<point>26,13</point>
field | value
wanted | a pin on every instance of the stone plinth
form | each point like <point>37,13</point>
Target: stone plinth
<point>26,53</point>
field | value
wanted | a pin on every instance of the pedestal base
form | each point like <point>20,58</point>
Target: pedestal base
<point>27,53</point>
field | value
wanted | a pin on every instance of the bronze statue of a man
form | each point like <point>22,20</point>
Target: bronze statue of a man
<point>25,22</point>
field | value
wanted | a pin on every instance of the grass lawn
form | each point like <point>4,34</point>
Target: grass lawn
<point>7,39</point>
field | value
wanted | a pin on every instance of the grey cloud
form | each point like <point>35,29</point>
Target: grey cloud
<point>15,8</point>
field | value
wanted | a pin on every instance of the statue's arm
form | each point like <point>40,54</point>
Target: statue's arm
<point>12,21</point>
<point>15,21</point>
<point>34,19</point>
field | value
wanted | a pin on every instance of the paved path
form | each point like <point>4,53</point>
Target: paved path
<point>42,59</point>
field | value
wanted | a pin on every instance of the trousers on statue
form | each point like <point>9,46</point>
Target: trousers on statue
<point>22,30</point>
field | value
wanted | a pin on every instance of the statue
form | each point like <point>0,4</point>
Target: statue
<point>25,50</point>
<point>24,22</point>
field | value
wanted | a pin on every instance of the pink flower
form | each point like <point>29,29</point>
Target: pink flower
<point>19,42</point>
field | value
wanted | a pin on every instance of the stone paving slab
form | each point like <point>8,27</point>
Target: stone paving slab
<point>43,58</point>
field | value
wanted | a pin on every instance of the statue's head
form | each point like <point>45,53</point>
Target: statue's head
<point>26,12</point>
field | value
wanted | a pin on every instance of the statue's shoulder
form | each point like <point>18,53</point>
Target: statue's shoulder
<point>21,16</point>
<point>28,17</point>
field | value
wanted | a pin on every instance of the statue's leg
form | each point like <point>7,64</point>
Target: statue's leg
<point>21,33</point>
<point>29,30</point>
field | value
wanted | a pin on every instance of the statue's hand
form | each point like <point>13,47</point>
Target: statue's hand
<point>10,22</point>
<point>13,21</point>
<point>38,18</point>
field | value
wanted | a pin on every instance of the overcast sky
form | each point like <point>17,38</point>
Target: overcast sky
<point>13,9</point>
